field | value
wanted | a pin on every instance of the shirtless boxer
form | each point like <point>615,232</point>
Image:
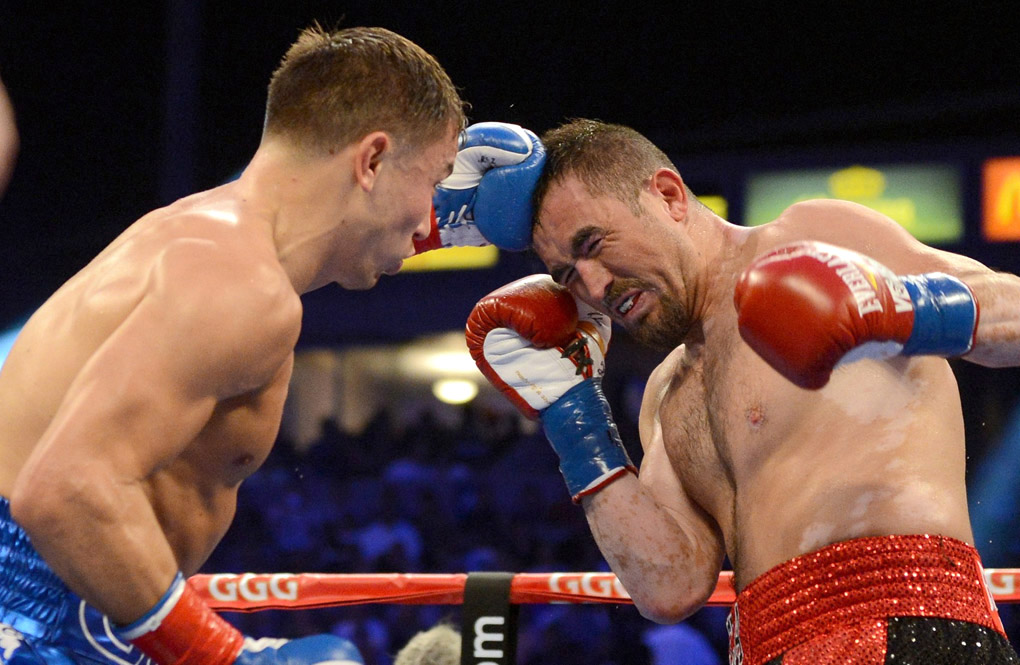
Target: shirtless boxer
<point>142,393</point>
<point>841,504</point>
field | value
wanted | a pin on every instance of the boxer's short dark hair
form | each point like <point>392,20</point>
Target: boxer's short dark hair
<point>334,87</point>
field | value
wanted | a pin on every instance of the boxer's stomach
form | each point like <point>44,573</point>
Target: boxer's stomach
<point>855,462</point>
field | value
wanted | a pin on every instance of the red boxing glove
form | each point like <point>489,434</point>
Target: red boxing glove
<point>532,318</point>
<point>546,353</point>
<point>181,629</point>
<point>808,306</point>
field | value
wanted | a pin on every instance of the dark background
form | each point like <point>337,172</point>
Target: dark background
<point>126,106</point>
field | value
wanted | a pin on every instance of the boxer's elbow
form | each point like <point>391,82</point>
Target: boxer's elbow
<point>32,506</point>
<point>664,613</point>
<point>42,504</point>
<point>672,603</point>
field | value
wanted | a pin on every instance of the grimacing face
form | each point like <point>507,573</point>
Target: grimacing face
<point>621,261</point>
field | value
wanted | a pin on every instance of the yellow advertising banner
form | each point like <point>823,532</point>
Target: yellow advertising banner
<point>1000,193</point>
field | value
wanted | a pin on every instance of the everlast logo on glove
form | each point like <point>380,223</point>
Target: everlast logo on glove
<point>578,350</point>
<point>578,353</point>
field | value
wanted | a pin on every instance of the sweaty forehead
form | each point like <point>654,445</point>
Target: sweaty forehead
<point>551,233</point>
<point>567,206</point>
<point>435,160</point>
<point>447,150</point>
<point>564,202</point>
<point>544,245</point>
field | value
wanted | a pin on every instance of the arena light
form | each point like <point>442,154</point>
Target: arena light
<point>442,356</point>
<point>7,338</point>
<point>455,391</point>
<point>1000,221</point>
<point>453,258</point>
<point>450,362</point>
<point>717,204</point>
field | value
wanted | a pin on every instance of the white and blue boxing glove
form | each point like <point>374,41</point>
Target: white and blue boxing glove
<point>487,198</point>
<point>181,629</point>
<point>324,648</point>
<point>546,352</point>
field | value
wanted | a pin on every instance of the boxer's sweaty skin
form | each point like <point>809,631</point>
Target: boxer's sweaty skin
<point>142,393</point>
<point>123,398</point>
<point>737,460</point>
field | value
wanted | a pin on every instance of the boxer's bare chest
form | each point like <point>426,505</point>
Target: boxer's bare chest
<point>241,433</point>
<point>720,415</point>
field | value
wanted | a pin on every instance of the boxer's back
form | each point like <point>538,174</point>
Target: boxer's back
<point>98,308</point>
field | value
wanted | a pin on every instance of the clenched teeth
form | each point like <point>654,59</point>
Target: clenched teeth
<point>626,305</point>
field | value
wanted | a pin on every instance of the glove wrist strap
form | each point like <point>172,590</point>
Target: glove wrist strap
<point>433,240</point>
<point>580,427</point>
<point>182,628</point>
<point>945,316</point>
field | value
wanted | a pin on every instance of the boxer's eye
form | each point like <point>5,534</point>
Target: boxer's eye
<point>591,247</point>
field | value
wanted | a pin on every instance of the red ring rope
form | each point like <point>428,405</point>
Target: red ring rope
<point>250,592</point>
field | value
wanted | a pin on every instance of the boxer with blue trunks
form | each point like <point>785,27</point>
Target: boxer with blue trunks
<point>141,394</point>
<point>41,620</point>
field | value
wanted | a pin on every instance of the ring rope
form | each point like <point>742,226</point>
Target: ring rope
<point>252,592</point>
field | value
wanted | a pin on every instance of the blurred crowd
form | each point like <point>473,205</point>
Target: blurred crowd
<point>429,498</point>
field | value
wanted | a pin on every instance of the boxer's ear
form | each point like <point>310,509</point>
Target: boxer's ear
<point>667,185</point>
<point>369,155</point>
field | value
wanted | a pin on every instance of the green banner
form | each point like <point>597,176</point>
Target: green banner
<point>923,198</point>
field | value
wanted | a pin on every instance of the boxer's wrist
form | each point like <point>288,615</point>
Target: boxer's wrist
<point>945,315</point>
<point>581,430</point>
<point>180,627</point>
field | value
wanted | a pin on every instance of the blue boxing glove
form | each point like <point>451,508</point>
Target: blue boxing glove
<point>302,651</point>
<point>546,353</point>
<point>487,198</point>
<point>181,628</point>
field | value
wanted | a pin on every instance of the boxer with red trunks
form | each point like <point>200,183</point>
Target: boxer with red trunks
<point>805,423</point>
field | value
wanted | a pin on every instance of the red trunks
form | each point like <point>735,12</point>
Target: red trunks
<point>833,605</point>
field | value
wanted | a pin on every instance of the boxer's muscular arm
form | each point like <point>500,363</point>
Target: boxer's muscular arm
<point>666,551</point>
<point>997,337</point>
<point>856,227</point>
<point>201,333</point>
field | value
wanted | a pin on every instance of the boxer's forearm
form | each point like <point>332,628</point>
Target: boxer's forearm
<point>997,339</point>
<point>105,543</point>
<point>669,570</point>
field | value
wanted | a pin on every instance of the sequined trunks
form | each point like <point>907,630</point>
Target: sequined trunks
<point>891,599</point>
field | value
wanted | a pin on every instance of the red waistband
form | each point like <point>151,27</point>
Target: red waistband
<point>856,580</point>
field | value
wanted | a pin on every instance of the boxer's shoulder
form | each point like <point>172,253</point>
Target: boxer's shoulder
<point>842,223</point>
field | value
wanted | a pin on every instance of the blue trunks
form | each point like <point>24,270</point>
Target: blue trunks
<point>41,620</point>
